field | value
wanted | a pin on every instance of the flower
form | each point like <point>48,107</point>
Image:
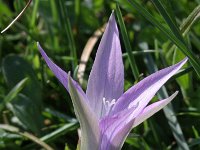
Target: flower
<point>107,114</point>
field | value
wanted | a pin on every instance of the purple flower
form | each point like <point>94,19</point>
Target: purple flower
<point>107,114</point>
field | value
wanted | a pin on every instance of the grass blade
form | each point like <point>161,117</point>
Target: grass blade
<point>55,134</point>
<point>18,16</point>
<point>169,20</point>
<point>176,40</point>
<point>127,43</point>
<point>34,14</point>
<point>12,94</point>
<point>67,27</point>
<point>190,20</point>
<point>25,134</point>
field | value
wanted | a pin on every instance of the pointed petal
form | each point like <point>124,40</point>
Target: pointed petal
<point>145,90</point>
<point>58,72</point>
<point>86,117</point>
<point>152,109</point>
<point>111,125</point>
<point>116,129</point>
<point>106,79</point>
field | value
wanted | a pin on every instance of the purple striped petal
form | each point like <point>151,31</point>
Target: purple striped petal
<point>145,90</point>
<point>111,125</point>
<point>87,119</point>
<point>106,80</point>
<point>58,72</point>
<point>152,109</point>
<point>115,129</point>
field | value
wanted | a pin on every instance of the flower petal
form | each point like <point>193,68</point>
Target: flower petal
<point>106,79</point>
<point>152,109</point>
<point>145,90</point>
<point>116,129</point>
<point>86,117</point>
<point>58,72</point>
<point>111,125</point>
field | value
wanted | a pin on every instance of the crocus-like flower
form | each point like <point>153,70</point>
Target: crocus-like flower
<point>107,114</point>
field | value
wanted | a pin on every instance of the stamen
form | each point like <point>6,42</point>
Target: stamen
<point>108,104</point>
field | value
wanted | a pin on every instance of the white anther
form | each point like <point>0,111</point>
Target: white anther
<point>108,104</point>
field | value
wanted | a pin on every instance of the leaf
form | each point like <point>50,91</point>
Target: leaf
<point>127,43</point>
<point>15,69</point>
<point>64,20</point>
<point>13,93</point>
<point>173,33</point>
<point>26,111</point>
<point>26,106</point>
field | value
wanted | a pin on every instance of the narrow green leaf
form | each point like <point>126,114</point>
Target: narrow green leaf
<point>196,133</point>
<point>56,134</point>
<point>127,43</point>
<point>190,20</point>
<point>59,132</point>
<point>34,13</point>
<point>150,18</point>
<point>185,80</point>
<point>168,20</point>
<point>67,28</point>
<point>187,24</point>
<point>172,36</point>
<point>12,94</point>
<point>175,30</point>
<point>55,20</point>
<point>15,69</point>
<point>25,134</point>
<point>168,7</point>
<point>67,147</point>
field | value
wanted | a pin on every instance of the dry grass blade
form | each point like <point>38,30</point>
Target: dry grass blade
<point>20,14</point>
<point>25,134</point>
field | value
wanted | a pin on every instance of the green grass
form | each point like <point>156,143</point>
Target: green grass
<point>37,112</point>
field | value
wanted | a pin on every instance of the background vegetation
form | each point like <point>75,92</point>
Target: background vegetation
<point>36,111</point>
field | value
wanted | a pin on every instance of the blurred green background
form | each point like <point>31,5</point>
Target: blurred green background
<point>36,110</point>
